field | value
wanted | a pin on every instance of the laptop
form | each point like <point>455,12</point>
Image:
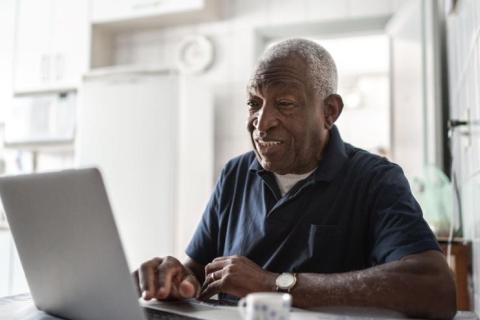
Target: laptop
<point>70,249</point>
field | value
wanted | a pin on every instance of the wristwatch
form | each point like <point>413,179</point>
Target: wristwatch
<point>285,282</point>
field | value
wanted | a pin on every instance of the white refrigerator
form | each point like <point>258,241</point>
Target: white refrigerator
<point>151,134</point>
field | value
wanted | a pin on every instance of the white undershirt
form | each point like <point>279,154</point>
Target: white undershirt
<point>287,181</point>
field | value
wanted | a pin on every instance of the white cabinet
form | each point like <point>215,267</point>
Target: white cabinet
<point>12,277</point>
<point>7,33</point>
<point>103,10</point>
<point>31,47</point>
<point>4,262</point>
<point>51,44</point>
<point>69,44</point>
<point>148,13</point>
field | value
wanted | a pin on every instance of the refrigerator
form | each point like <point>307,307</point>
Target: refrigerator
<point>151,134</point>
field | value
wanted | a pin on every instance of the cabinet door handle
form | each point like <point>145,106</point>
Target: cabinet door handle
<point>59,66</point>
<point>44,67</point>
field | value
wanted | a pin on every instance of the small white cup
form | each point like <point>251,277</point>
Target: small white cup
<point>265,306</point>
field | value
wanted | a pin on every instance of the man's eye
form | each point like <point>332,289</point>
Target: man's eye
<point>253,105</point>
<point>285,104</point>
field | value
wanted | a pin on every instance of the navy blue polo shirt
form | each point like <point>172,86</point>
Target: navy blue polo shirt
<point>354,211</point>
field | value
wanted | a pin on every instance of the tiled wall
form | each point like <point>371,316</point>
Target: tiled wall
<point>463,32</point>
<point>234,39</point>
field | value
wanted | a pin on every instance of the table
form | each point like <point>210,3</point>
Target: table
<point>461,265</point>
<point>21,307</point>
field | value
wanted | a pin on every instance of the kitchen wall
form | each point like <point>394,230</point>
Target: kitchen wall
<point>463,35</point>
<point>235,39</point>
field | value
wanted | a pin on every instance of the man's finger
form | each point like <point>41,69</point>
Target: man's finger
<point>189,287</point>
<point>147,276</point>
<point>212,277</point>
<point>215,266</point>
<point>166,273</point>
<point>211,290</point>
<point>222,258</point>
<point>137,282</point>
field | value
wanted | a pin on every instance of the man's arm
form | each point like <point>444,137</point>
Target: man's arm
<point>419,285</point>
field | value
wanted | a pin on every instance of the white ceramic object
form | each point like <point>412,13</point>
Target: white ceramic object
<point>265,306</point>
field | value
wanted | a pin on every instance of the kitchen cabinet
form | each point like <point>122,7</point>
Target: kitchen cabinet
<point>4,262</point>
<point>149,13</point>
<point>32,35</point>
<point>125,9</point>
<point>7,33</point>
<point>51,46</point>
<point>69,44</point>
<point>12,277</point>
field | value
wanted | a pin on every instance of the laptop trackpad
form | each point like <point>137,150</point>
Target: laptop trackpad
<point>195,309</point>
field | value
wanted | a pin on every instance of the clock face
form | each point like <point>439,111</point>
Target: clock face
<point>285,280</point>
<point>195,54</point>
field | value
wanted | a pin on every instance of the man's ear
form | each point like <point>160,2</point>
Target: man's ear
<point>333,108</point>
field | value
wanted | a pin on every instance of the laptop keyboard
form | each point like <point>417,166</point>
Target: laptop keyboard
<point>214,302</point>
<point>155,314</point>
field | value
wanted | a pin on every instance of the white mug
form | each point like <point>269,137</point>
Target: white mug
<point>265,306</point>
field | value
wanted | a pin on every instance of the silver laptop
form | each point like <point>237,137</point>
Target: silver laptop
<point>69,246</point>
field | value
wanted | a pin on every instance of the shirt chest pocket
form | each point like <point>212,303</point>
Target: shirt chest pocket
<point>326,247</point>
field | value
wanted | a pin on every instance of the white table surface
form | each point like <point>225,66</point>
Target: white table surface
<point>21,307</point>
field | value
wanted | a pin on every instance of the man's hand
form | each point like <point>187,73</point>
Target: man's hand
<point>237,276</point>
<point>165,279</point>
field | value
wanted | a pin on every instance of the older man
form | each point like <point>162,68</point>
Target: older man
<point>306,213</point>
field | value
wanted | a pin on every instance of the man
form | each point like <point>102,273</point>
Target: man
<point>307,213</point>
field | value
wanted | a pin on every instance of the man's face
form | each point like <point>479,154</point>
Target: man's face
<point>286,119</point>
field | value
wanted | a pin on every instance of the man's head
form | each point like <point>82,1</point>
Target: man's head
<point>292,105</point>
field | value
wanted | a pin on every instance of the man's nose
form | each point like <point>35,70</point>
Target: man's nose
<point>267,119</point>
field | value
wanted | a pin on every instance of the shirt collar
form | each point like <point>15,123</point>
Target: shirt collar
<point>334,157</point>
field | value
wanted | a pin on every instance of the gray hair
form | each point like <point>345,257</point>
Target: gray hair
<point>321,65</point>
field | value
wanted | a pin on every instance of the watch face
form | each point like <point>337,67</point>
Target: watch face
<point>285,280</point>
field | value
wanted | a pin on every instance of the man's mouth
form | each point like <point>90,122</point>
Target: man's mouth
<point>268,146</point>
<point>268,143</point>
